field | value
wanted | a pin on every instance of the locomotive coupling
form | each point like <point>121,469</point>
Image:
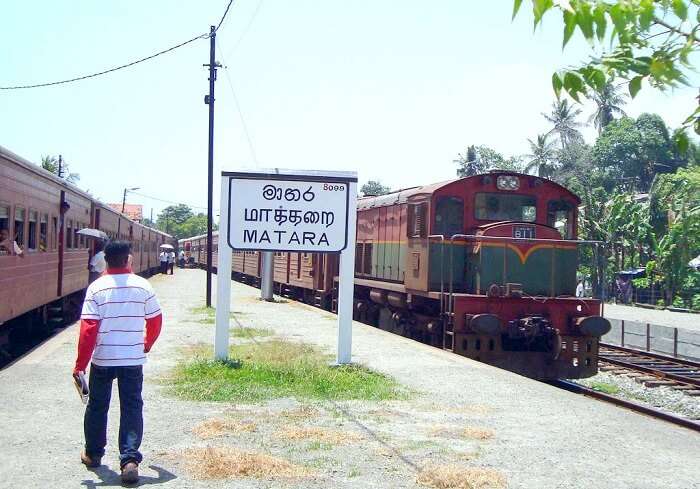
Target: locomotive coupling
<point>593,325</point>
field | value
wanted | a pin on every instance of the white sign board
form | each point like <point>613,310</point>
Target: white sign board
<point>293,211</point>
<point>288,215</point>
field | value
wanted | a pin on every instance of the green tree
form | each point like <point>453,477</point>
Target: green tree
<point>650,41</point>
<point>50,163</point>
<point>172,216</point>
<point>633,151</point>
<point>609,102</point>
<point>374,187</point>
<point>480,159</point>
<point>542,157</point>
<point>563,117</point>
<point>193,226</point>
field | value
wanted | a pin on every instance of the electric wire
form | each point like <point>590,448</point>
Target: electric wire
<point>240,112</point>
<point>110,70</point>
<point>224,16</point>
<point>247,28</point>
<point>121,67</point>
<point>167,201</point>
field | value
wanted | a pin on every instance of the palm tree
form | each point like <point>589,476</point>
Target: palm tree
<point>563,117</point>
<point>542,157</point>
<point>609,103</point>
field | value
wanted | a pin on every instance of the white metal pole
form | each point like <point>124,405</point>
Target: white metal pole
<point>267,277</point>
<point>346,284</point>
<point>223,277</point>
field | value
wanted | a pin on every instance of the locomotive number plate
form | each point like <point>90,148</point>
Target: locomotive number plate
<point>527,232</point>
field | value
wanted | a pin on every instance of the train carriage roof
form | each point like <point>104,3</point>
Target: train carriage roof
<point>402,196</point>
<point>39,171</point>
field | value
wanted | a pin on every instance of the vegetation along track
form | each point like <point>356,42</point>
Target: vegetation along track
<point>651,369</point>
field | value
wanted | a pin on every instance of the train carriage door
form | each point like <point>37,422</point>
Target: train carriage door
<point>449,220</point>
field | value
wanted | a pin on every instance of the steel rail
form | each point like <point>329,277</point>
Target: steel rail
<point>626,349</point>
<point>654,413</point>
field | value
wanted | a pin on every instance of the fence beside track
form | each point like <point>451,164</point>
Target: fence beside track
<point>675,342</point>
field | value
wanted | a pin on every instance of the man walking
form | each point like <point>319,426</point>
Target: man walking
<point>120,322</point>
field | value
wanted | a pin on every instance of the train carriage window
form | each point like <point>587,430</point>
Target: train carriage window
<point>560,215</point>
<point>4,228</point>
<point>43,233</point>
<point>449,216</point>
<point>76,236</point>
<point>31,236</point>
<point>367,259</point>
<point>358,258</point>
<point>505,207</point>
<point>54,232</point>
<point>416,220</point>
<point>19,225</point>
<point>69,235</point>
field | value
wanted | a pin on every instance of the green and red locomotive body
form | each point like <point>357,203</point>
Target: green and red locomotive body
<point>484,265</point>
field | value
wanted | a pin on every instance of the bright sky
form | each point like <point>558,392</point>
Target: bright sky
<point>391,89</point>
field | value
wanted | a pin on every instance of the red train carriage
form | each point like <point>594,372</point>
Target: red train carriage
<point>484,266</point>
<point>43,214</point>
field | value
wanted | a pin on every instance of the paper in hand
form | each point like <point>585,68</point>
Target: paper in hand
<point>81,386</point>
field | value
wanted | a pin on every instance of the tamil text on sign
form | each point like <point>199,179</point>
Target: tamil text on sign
<point>288,215</point>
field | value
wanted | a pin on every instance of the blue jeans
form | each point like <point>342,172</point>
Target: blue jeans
<point>130,382</point>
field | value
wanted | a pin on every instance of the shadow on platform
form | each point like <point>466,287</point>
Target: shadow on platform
<point>110,478</point>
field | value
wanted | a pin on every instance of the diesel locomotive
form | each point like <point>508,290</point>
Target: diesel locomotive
<point>484,266</point>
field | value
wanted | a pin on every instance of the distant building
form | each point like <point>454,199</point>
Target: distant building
<point>132,211</point>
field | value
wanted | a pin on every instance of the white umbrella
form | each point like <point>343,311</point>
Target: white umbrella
<point>167,246</point>
<point>93,233</point>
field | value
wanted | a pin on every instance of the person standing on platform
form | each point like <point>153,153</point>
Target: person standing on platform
<point>122,312</point>
<point>171,262</point>
<point>97,263</point>
<point>181,259</point>
<point>163,261</point>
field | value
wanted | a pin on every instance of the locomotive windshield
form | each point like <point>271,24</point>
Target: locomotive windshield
<point>505,207</point>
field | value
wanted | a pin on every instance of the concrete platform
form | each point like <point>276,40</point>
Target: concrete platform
<point>542,437</point>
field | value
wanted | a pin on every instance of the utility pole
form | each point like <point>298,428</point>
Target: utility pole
<point>209,100</point>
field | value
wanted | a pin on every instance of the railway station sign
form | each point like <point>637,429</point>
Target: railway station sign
<point>287,211</point>
<point>291,211</point>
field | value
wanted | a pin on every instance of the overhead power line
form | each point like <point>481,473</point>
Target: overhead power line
<point>224,16</point>
<point>110,70</point>
<point>167,201</point>
<point>120,67</point>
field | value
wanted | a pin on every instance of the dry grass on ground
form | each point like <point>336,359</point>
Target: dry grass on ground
<point>457,477</point>
<point>322,435</point>
<point>229,463</point>
<point>302,412</point>
<point>212,428</point>
<point>470,432</point>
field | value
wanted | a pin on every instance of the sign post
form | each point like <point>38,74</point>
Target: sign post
<point>223,278</point>
<point>291,211</point>
<point>267,275</point>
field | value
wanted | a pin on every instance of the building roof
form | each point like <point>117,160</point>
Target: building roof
<point>132,211</point>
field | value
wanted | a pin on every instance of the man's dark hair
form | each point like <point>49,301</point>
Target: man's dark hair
<point>117,253</point>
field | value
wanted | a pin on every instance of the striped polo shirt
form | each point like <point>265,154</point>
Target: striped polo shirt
<point>121,302</point>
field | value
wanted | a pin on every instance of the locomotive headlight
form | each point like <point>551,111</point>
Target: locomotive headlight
<point>508,182</point>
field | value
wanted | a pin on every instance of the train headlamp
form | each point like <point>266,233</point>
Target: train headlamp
<point>508,182</point>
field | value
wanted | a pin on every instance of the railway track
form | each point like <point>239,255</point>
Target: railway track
<point>651,369</point>
<point>633,406</point>
<point>659,360</point>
